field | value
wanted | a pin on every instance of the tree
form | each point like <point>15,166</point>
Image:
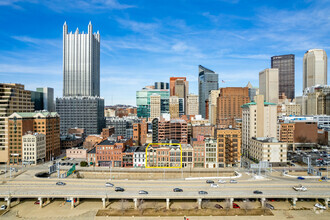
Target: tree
<point>83,164</point>
<point>227,205</point>
<point>124,205</point>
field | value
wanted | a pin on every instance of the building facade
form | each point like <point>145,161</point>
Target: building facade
<point>192,104</point>
<point>315,68</point>
<point>269,85</point>
<point>212,108</point>
<point>33,148</point>
<point>207,81</point>
<point>211,153</point>
<point>286,74</point>
<point>268,149</point>
<point>229,147</point>
<point>155,106</point>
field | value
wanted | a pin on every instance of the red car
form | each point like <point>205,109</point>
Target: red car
<point>37,202</point>
<point>235,206</point>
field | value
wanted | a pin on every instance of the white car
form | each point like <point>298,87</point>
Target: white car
<point>318,205</point>
<point>3,207</point>
<point>233,181</point>
<point>109,185</point>
<point>222,181</point>
<point>214,185</point>
<point>300,188</point>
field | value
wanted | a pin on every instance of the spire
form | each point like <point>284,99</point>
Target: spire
<point>64,23</point>
<point>90,23</point>
<point>77,31</point>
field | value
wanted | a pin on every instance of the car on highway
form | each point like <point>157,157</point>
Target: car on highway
<point>214,185</point>
<point>269,206</point>
<point>222,181</point>
<point>109,185</point>
<point>300,188</point>
<point>257,192</point>
<point>177,190</point>
<point>3,207</point>
<point>209,181</point>
<point>218,206</point>
<point>202,193</point>
<point>60,184</point>
<point>318,205</point>
<point>324,178</point>
<point>233,181</point>
<point>322,169</point>
<point>300,178</point>
<point>235,206</point>
<point>119,189</point>
<point>143,192</point>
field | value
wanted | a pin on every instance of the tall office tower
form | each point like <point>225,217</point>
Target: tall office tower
<point>253,91</point>
<point>212,108</point>
<point>207,81</point>
<point>172,84</point>
<point>179,86</point>
<point>162,85</point>
<point>82,112</point>
<point>81,62</point>
<point>268,85</point>
<point>154,106</point>
<point>315,66</point>
<point>48,98</point>
<point>174,107</point>
<point>47,123</point>
<point>229,104</point>
<point>192,104</point>
<point>259,120</point>
<point>286,74</point>
<point>13,98</point>
<point>81,105</point>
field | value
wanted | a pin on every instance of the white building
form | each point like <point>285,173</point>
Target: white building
<point>315,68</point>
<point>33,148</point>
<point>268,84</point>
<point>268,149</point>
<point>139,157</point>
<point>259,120</point>
<point>211,151</point>
<point>192,104</point>
<point>155,106</point>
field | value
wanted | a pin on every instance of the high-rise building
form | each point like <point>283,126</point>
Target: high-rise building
<point>81,105</point>
<point>286,74</point>
<point>19,123</point>
<point>253,91</point>
<point>207,81</point>
<point>83,112</point>
<point>192,104</point>
<point>162,85</point>
<point>140,131</point>
<point>229,105</point>
<point>13,98</point>
<point>268,85</point>
<point>174,107</point>
<point>81,62</point>
<point>315,68</point>
<point>172,84</point>
<point>155,106</point>
<point>48,98</point>
<point>259,120</point>
<point>212,108</point>
<point>175,129</point>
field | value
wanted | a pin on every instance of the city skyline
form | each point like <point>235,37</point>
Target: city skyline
<point>232,38</point>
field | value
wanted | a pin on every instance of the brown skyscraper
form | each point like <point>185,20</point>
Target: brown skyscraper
<point>229,105</point>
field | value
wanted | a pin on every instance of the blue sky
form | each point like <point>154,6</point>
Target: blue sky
<point>143,41</point>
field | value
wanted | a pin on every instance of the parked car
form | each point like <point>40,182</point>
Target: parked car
<point>202,192</point>
<point>3,207</point>
<point>143,192</point>
<point>318,205</point>
<point>209,181</point>
<point>214,185</point>
<point>37,202</point>
<point>119,189</point>
<point>235,206</point>
<point>218,206</point>
<point>233,181</point>
<point>257,192</point>
<point>300,188</point>
<point>60,184</point>
<point>109,185</point>
<point>269,206</point>
<point>177,190</point>
<point>222,181</point>
<point>300,178</point>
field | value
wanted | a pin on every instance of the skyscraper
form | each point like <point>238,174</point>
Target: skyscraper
<point>81,62</point>
<point>81,105</point>
<point>315,68</point>
<point>207,81</point>
<point>268,85</point>
<point>286,74</point>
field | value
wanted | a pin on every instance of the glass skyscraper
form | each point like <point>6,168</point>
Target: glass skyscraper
<point>286,74</point>
<point>207,81</point>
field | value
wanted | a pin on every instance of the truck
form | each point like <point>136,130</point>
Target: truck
<point>300,188</point>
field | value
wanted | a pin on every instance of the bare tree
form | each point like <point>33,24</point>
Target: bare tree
<point>205,203</point>
<point>142,206</point>
<point>124,205</point>
<point>227,205</point>
<point>246,205</point>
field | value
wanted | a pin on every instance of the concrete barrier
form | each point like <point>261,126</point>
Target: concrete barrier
<point>237,175</point>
